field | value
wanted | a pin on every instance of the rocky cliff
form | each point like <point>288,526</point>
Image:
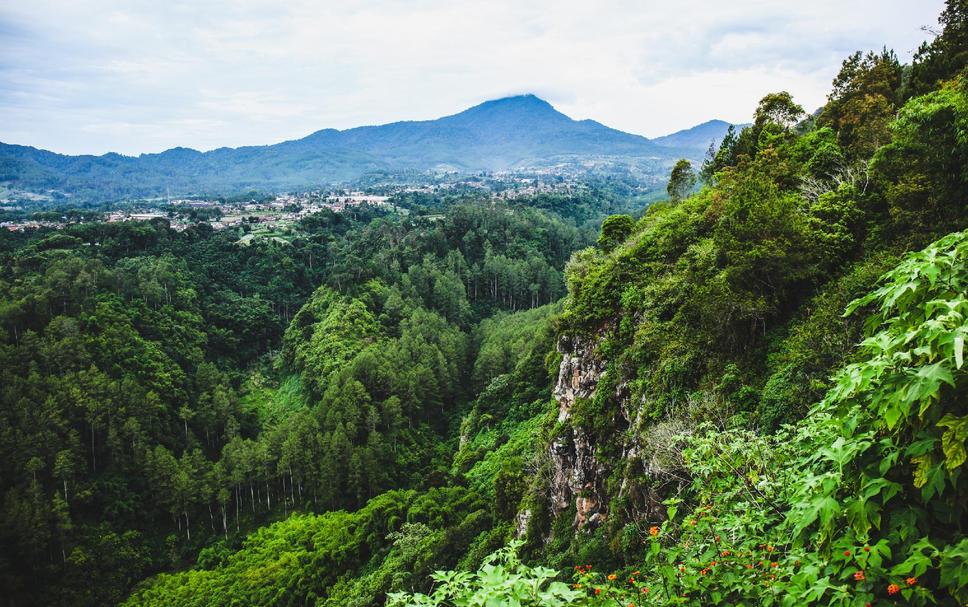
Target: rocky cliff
<point>577,477</point>
<point>578,474</point>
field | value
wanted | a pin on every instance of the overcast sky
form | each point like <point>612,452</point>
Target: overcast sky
<point>142,76</point>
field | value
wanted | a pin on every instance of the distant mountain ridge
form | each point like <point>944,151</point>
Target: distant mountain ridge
<point>502,134</point>
<point>696,138</point>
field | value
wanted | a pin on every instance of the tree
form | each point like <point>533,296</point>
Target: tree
<point>863,101</point>
<point>946,55</point>
<point>615,229</point>
<point>777,108</point>
<point>719,158</point>
<point>681,181</point>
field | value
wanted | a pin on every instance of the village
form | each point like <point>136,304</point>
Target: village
<point>274,212</point>
<point>277,214</point>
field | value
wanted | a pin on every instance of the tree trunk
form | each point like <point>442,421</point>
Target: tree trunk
<point>93,456</point>
<point>285,502</point>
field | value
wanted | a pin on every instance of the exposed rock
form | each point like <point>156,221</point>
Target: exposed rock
<point>589,511</point>
<point>578,374</point>
<point>576,474</point>
<point>521,523</point>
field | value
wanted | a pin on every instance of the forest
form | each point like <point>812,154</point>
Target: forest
<point>751,392</point>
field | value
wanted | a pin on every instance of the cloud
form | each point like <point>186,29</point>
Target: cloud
<point>139,76</point>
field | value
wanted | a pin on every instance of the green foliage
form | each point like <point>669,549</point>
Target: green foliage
<point>859,504</point>
<point>779,109</point>
<point>504,340</point>
<point>922,171</point>
<point>304,559</point>
<point>334,331</point>
<point>681,181</point>
<point>863,101</point>
<point>813,345</point>
<point>501,580</point>
<point>615,229</point>
<point>163,394</point>
<point>141,385</point>
<point>946,55</point>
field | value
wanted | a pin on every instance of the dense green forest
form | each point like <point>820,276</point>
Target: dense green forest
<point>163,391</point>
<point>752,393</point>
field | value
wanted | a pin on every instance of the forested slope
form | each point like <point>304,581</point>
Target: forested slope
<point>163,391</point>
<point>761,392</point>
<point>751,394</point>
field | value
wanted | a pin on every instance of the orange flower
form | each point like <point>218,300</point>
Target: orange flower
<point>598,591</point>
<point>653,531</point>
<point>911,581</point>
<point>645,590</point>
<point>859,576</point>
<point>867,548</point>
<point>893,589</point>
<point>846,552</point>
<point>774,564</point>
<point>611,577</point>
<point>724,553</point>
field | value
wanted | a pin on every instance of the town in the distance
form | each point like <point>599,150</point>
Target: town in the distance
<point>276,216</point>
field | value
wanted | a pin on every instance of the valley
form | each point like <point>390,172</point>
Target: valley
<point>500,358</point>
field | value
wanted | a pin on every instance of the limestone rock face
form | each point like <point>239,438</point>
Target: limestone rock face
<point>576,476</point>
<point>578,374</point>
<point>521,523</point>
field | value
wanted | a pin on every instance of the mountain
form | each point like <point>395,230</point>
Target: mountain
<point>508,133</point>
<point>695,139</point>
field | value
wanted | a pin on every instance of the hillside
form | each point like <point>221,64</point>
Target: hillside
<point>753,393</point>
<point>696,139</point>
<point>503,134</point>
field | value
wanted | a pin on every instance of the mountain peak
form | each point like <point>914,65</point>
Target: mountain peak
<point>697,137</point>
<point>525,106</point>
<point>500,134</point>
<point>524,100</point>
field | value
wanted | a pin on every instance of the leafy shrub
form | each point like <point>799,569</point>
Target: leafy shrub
<point>501,580</point>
